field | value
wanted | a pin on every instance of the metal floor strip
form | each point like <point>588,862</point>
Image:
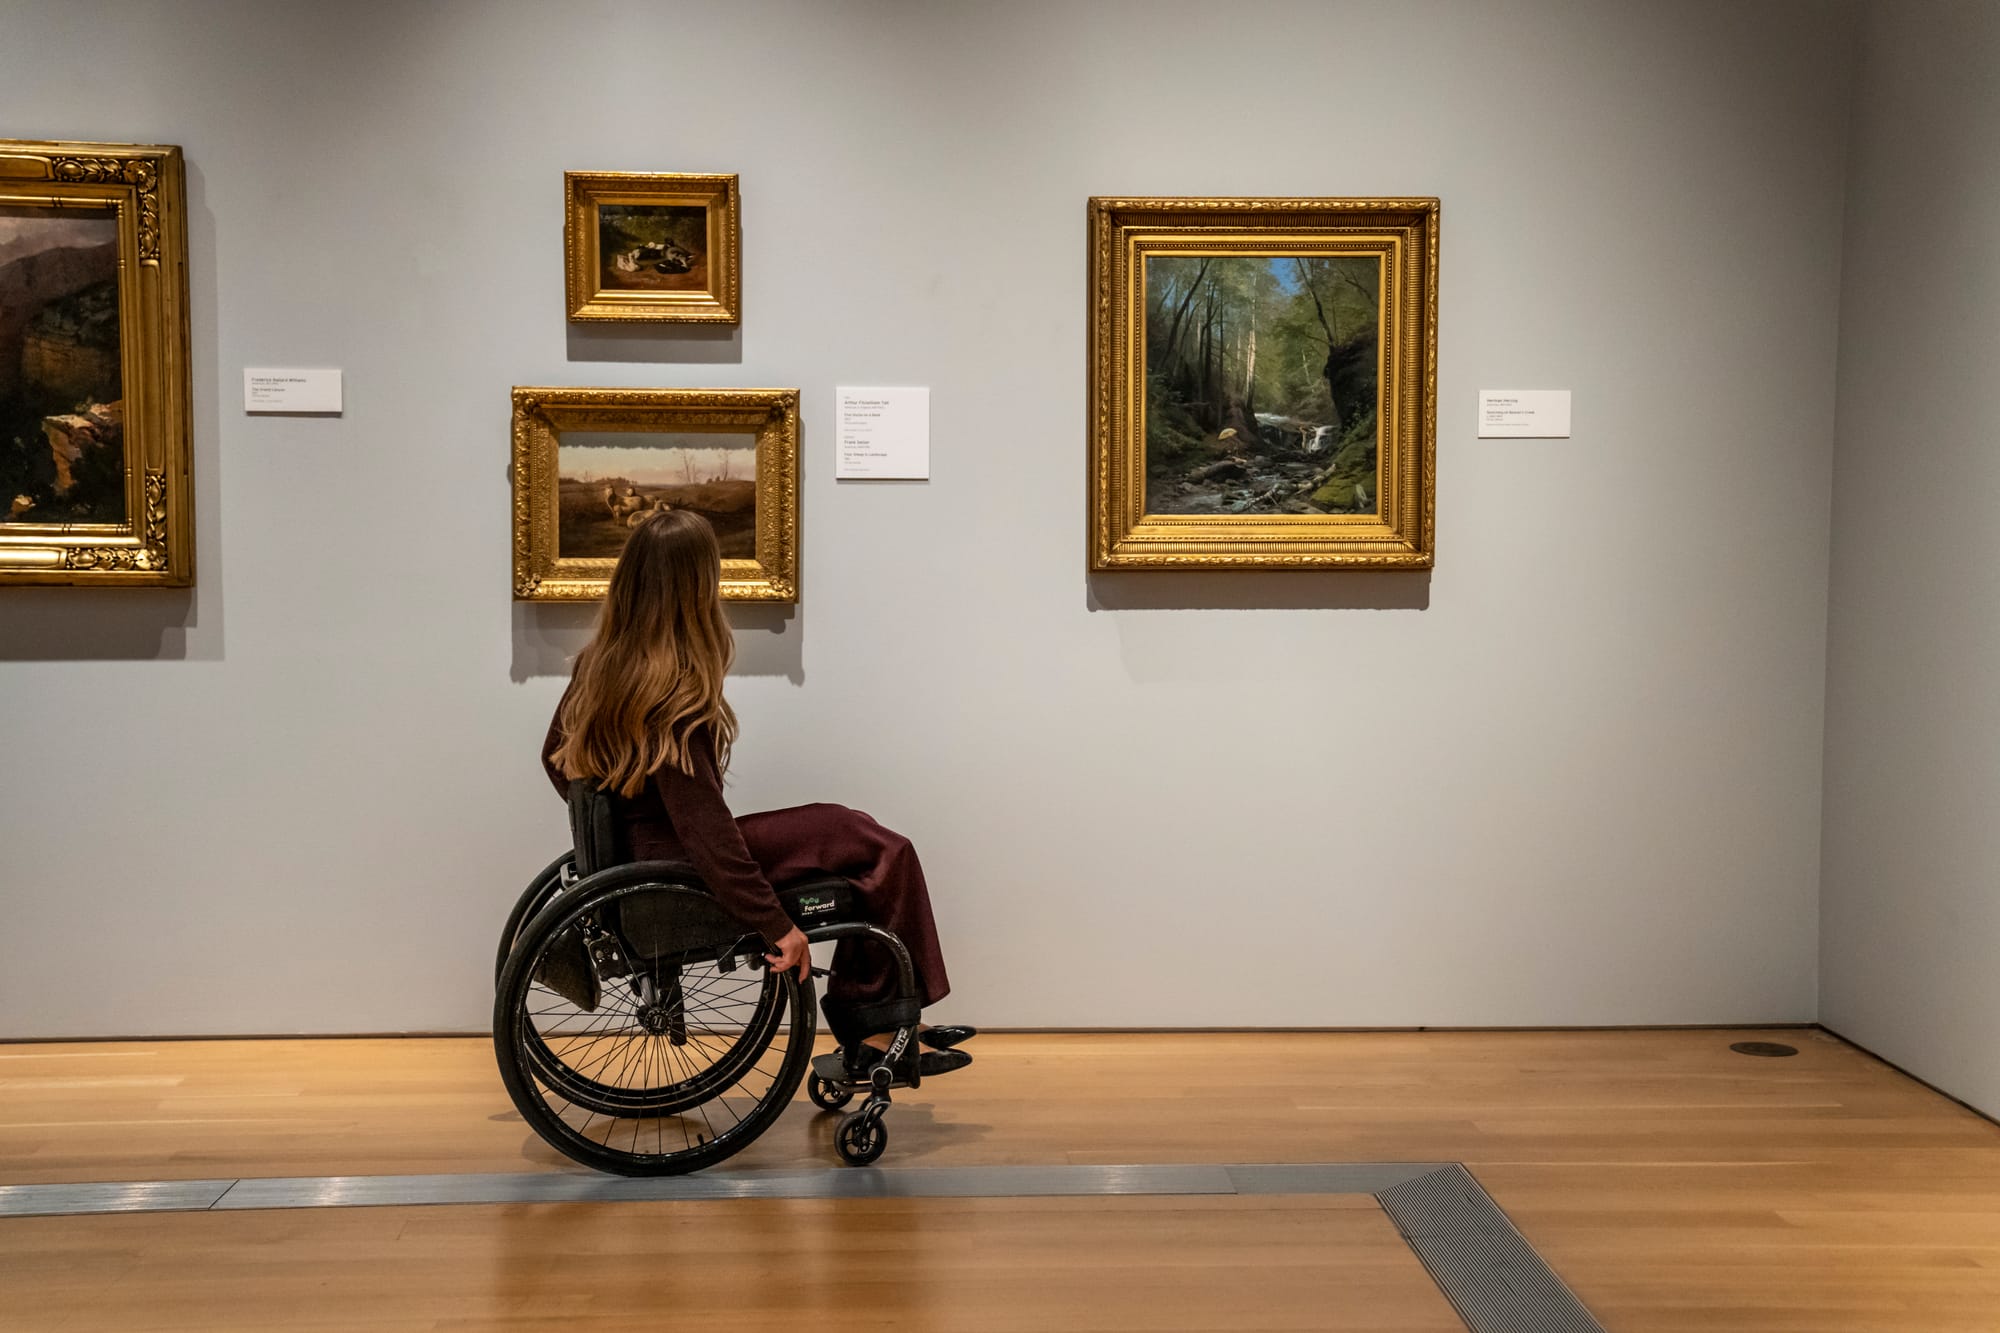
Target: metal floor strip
<point>951,1182</point>
<point>1483,1265</point>
<point>111,1196</point>
<point>935,1182</point>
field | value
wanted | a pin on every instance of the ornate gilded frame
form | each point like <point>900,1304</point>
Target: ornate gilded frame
<point>590,301</point>
<point>1123,232</point>
<point>143,184</point>
<point>541,415</point>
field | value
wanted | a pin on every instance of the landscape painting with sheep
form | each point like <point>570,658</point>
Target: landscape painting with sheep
<point>62,411</point>
<point>610,481</point>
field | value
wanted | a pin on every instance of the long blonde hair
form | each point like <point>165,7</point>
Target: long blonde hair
<point>651,677</point>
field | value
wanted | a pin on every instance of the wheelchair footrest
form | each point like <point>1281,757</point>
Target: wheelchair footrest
<point>832,1068</point>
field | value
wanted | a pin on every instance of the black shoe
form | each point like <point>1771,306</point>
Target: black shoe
<point>944,1038</point>
<point>932,1063</point>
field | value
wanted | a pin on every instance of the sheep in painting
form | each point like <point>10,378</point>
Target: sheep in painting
<point>621,504</point>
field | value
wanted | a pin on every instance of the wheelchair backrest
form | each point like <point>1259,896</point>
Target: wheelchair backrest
<point>593,829</point>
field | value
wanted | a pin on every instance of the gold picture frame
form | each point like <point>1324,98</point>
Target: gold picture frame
<point>661,246</point>
<point>589,463</point>
<point>95,424</point>
<point>1319,454</point>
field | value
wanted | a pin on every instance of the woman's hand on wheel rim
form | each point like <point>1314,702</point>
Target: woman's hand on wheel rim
<point>792,952</point>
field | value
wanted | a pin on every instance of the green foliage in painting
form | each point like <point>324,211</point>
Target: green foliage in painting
<point>632,226</point>
<point>1261,383</point>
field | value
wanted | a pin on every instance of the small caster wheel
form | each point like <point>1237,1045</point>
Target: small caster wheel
<point>862,1139</point>
<point>825,1095</point>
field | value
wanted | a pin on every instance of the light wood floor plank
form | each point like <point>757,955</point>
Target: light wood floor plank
<point>1020,1265</point>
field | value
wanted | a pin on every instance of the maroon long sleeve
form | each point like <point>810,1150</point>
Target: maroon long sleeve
<point>680,816</point>
<point>549,752</point>
<point>709,835</point>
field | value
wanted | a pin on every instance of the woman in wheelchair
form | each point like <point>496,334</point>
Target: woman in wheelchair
<point>644,719</point>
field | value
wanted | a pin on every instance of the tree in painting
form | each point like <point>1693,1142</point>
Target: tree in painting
<point>1261,384</point>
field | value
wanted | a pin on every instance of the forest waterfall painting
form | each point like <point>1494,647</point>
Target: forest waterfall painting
<point>1261,384</point>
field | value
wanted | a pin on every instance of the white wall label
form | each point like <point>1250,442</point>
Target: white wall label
<point>291,391</point>
<point>1524,414</point>
<point>883,433</point>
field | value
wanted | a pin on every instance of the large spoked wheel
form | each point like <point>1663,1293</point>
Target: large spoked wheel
<point>650,1067</point>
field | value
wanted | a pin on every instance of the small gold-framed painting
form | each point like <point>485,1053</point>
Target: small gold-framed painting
<point>1263,383</point>
<point>94,378</point>
<point>591,464</point>
<point>652,246</point>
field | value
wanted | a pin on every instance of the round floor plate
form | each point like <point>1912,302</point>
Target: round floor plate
<point>1769,1048</point>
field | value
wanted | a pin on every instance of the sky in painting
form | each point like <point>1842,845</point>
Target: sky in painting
<point>27,231</point>
<point>661,458</point>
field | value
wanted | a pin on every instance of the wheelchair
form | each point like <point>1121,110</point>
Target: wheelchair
<point>639,1030</point>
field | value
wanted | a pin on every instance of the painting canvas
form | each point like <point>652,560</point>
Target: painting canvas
<point>1261,384</point>
<point>659,246</point>
<point>591,464</point>
<point>610,481</point>
<point>649,247</point>
<point>62,410</point>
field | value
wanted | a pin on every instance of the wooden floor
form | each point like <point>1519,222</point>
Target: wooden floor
<point>1672,1183</point>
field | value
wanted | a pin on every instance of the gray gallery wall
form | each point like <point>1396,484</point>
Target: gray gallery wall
<point>1573,777</point>
<point>1911,948</point>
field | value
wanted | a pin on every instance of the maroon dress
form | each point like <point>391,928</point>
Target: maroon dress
<point>683,817</point>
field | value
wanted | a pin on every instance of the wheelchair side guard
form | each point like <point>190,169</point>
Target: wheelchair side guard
<point>668,920</point>
<point>676,922</point>
<point>568,969</point>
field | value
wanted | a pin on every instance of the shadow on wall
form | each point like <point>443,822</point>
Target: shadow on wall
<point>96,624</point>
<point>1259,590</point>
<point>696,344</point>
<point>549,635</point>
